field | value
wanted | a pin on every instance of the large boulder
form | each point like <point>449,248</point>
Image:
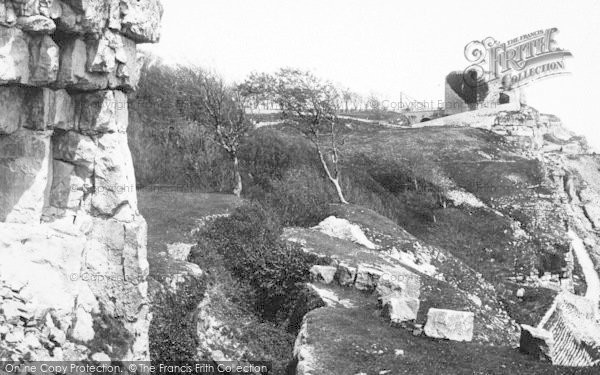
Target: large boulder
<point>398,309</point>
<point>449,324</point>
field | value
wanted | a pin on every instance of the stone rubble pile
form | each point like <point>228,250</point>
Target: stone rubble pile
<point>66,67</point>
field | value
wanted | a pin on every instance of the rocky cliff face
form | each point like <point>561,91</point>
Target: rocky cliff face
<point>73,262</point>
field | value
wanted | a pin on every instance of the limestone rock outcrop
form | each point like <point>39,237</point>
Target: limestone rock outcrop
<point>71,238</point>
<point>449,324</point>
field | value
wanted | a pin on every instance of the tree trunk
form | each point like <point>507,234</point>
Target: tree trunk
<point>237,190</point>
<point>334,180</point>
<point>338,189</point>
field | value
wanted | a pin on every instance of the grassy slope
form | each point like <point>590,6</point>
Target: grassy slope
<point>478,162</point>
<point>352,341</point>
<point>355,339</point>
<point>172,215</point>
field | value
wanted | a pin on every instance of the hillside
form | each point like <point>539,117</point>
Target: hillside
<point>490,219</point>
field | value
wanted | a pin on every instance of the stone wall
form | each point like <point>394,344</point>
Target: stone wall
<point>567,336</point>
<point>66,67</point>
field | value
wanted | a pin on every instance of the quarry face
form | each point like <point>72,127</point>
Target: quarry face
<point>73,250</point>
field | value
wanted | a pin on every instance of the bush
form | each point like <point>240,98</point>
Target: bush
<point>173,328</point>
<point>248,242</point>
<point>165,147</point>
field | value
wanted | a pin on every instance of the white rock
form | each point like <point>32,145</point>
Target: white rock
<point>323,274</point>
<point>100,357</point>
<point>15,336</point>
<point>343,229</point>
<point>83,328</point>
<point>449,324</point>
<point>57,336</point>
<point>367,278</point>
<point>400,309</point>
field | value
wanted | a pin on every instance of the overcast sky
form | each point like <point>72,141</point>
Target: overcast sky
<point>388,47</point>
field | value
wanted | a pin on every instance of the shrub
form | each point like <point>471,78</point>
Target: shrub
<point>248,242</point>
<point>173,328</point>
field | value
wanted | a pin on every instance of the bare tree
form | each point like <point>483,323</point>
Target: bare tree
<point>346,97</point>
<point>313,104</point>
<point>357,101</point>
<point>219,106</point>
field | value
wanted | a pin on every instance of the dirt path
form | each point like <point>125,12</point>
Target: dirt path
<point>591,276</point>
<point>172,215</point>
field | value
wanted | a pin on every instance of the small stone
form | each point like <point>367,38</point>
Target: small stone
<point>83,329</point>
<point>17,335</point>
<point>521,293</point>
<point>398,352</point>
<point>12,310</point>
<point>100,357</point>
<point>58,354</point>
<point>57,336</point>
<point>32,341</point>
